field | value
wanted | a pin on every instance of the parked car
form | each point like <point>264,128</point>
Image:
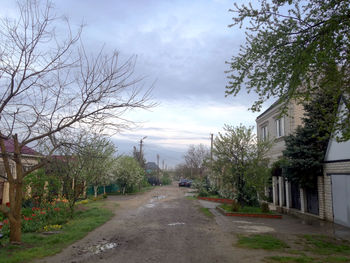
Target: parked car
<point>185,182</point>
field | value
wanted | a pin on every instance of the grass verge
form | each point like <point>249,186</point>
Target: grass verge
<point>324,245</point>
<point>261,242</point>
<point>206,211</point>
<point>36,245</point>
<point>245,209</point>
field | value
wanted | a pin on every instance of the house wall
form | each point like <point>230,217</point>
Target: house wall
<point>27,161</point>
<point>291,121</point>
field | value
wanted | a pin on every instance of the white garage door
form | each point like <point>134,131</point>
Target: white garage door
<point>341,198</point>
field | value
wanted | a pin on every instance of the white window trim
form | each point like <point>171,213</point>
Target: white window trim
<point>264,133</point>
<point>279,127</point>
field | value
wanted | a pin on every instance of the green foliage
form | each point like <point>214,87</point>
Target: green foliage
<point>306,148</point>
<point>127,173</point>
<point>240,162</point>
<point>41,186</point>
<point>261,242</point>
<point>38,246</point>
<point>264,206</point>
<point>165,180</point>
<point>293,49</point>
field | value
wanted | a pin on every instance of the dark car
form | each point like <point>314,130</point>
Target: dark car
<point>185,182</point>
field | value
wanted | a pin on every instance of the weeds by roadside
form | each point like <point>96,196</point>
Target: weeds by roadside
<point>206,211</point>
<point>37,245</point>
<point>261,242</point>
<point>310,248</point>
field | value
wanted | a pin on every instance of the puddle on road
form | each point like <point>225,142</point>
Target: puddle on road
<point>152,201</point>
<point>176,224</point>
<point>157,197</point>
<point>257,229</point>
<point>97,249</point>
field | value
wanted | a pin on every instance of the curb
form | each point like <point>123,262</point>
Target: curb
<point>273,216</point>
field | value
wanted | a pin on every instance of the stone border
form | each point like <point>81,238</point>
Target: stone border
<point>274,216</point>
<point>217,200</point>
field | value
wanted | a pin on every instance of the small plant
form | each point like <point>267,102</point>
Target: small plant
<point>264,207</point>
<point>104,195</point>
<point>52,228</point>
<point>83,202</point>
<point>235,206</point>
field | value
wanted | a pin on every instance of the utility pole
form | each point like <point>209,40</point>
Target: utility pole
<point>211,156</point>
<point>158,163</point>
<point>211,149</point>
<point>163,165</point>
<point>141,155</point>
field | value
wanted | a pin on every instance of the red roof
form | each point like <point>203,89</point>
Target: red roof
<point>10,148</point>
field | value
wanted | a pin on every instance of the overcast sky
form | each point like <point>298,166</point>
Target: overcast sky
<point>181,47</point>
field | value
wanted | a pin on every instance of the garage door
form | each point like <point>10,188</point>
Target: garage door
<point>341,199</point>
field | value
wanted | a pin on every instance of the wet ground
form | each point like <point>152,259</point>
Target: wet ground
<point>163,225</point>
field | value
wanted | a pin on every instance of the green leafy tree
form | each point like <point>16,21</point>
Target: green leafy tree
<point>127,173</point>
<point>306,148</point>
<point>97,157</point>
<point>293,50</point>
<point>240,159</point>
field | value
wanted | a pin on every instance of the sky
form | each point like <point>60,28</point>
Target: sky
<point>181,48</point>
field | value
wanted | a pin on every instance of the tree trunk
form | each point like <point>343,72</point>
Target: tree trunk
<point>104,189</point>
<point>95,191</point>
<point>15,231</point>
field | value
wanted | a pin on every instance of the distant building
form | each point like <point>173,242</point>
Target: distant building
<point>29,158</point>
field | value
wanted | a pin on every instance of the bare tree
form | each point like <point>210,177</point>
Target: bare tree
<point>195,159</point>
<point>49,84</point>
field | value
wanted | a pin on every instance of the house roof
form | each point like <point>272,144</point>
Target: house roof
<point>151,166</point>
<point>10,148</point>
<point>277,102</point>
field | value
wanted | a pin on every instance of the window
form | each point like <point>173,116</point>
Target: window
<point>264,133</point>
<point>280,127</point>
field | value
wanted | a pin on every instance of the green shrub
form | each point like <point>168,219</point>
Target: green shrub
<point>264,207</point>
<point>235,206</point>
<point>104,195</point>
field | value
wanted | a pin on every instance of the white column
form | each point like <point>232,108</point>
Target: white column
<point>281,190</point>
<point>274,190</point>
<point>302,200</point>
<point>288,194</point>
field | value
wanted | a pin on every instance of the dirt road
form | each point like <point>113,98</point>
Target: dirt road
<point>159,226</point>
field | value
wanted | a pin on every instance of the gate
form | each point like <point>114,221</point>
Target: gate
<point>295,193</point>
<point>312,201</point>
<point>341,198</point>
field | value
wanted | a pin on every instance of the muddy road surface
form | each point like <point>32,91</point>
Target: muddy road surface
<point>158,226</point>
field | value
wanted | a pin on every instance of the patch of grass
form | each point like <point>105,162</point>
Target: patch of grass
<point>324,245</point>
<point>301,259</point>
<point>337,259</point>
<point>245,209</point>
<point>261,242</point>
<point>206,211</point>
<point>36,245</point>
